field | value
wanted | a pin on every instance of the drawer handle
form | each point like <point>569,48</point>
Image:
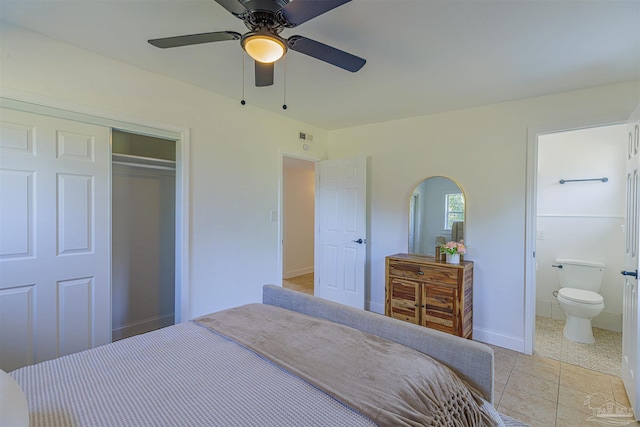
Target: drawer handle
<point>421,272</point>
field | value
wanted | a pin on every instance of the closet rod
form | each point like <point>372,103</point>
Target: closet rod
<point>139,165</point>
<point>562,181</point>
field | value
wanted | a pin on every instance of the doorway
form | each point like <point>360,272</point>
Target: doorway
<point>298,219</point>
<point>143,191</point>
<point>577,214</point>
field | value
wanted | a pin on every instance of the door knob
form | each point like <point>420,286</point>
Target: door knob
<point>630,273</point>
<point>359,241</point>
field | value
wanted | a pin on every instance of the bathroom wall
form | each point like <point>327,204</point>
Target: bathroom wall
<point>581,220</point>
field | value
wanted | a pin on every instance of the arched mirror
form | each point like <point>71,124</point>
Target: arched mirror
<point>436,214</point>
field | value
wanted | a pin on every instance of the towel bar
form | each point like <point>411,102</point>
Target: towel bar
<point>562,181</point>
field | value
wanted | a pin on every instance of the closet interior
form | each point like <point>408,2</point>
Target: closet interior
<point>143,233</point>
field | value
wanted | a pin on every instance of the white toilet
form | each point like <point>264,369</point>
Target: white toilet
<point>578,296</point>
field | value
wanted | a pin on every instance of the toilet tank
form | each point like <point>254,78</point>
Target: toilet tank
<point>580,274</point>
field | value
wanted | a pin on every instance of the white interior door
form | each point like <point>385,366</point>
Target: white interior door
<point>54,238</point>
<point>631,295</point>
<point>341,230</point>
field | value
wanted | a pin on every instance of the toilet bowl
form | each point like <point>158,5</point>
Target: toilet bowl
<point>578,297</point>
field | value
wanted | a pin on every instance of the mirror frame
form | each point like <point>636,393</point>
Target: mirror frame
<point>410,213</point>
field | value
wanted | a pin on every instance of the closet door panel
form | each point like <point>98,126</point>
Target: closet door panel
<point>17,320</point>
<point>16,212</point>
<point>17,138</point>
<point>75,214</point>
<point>75,305</point>
<point>75,146</point>
<point>54,216</point>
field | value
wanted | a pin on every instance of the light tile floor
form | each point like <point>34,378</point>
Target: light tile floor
<point>547,393</point>
<point>541,391</point>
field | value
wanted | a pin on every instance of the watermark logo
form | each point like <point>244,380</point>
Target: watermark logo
<point>608,412</point>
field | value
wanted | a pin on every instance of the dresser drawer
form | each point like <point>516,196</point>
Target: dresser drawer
<point>445,275</point>
<point>410,271</point>
<point>431,273</point>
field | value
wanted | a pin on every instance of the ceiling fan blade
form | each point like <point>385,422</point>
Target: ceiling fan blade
<point>299,11</point>
<point>233,6</point>
<point>190,39</point>
<point>326,53</point>
<point>264,74</point>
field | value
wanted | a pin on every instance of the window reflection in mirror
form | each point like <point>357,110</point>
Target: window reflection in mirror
<point>436,215</point>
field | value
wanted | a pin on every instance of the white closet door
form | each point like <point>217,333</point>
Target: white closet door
<point>54,238</point>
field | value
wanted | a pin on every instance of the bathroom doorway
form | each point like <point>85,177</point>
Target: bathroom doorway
<point>580,201</point>
<point>298,219</point>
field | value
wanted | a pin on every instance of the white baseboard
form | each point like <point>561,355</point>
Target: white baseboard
<point>493,338</point>
<point>140,327</point>
<point>298,272</point>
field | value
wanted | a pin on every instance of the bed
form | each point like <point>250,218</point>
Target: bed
<point>294,360</point>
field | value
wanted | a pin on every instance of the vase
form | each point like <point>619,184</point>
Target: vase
<point>453,258</point>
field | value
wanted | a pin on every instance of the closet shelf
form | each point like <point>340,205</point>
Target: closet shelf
<point>144,162</point>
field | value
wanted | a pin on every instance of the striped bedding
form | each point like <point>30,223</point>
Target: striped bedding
<point>182,375</point>
<point>390,383</point>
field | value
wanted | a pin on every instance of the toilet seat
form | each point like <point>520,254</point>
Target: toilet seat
<point>581,296</point>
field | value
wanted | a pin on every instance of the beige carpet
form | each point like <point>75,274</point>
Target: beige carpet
<point>605,355</point>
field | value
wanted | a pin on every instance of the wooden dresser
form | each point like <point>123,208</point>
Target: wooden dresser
<point>426,291</point>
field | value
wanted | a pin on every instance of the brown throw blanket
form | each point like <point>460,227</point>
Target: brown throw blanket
<point>391,384</point>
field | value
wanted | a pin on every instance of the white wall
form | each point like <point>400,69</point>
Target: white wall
<point>582,220</point>
<point>235,156</point>
<point>298,217</point>
<point>484,149</point>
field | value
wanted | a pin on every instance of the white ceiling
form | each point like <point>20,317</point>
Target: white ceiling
<point>423,56</point>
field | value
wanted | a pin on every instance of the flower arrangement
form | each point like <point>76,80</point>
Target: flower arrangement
<point>453,248</point>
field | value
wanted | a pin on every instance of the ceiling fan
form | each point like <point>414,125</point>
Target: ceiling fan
<point>265,20</point>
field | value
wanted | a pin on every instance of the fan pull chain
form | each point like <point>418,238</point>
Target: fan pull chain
<point>242,101</point>
<point>284,96</point>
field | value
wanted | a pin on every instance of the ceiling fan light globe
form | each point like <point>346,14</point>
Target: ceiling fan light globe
<point>264,48</point>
